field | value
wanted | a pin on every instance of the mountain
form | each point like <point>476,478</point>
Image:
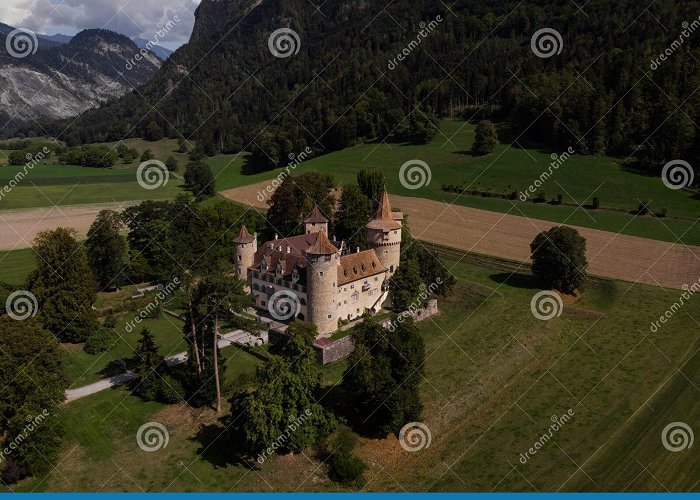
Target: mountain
<point>62,80</point>
<point>383,71</point>
<point>161,52</point>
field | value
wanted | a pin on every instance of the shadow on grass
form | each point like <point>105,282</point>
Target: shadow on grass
<point>517,280</point>
<point>215,446</point>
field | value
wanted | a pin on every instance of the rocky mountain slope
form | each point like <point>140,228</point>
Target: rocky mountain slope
<point>62,80</point>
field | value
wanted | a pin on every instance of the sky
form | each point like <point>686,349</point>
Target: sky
<point>133,18</point>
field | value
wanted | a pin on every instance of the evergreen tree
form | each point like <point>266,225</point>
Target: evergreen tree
<point>371,183</point>
<point>352,216</point>
<point>485,138</point>
<point>63,285</point>
<point>384,374</point>
<point>406,286</point>
<point>171,164</point>
<point>106,249</point>
<point>148,365</point>
<point>559,258</point>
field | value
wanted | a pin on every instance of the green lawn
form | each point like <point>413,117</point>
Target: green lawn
<point>16,265</point>
<point>494,376</point>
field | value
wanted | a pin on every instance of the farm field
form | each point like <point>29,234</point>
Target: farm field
<point>494,377</point>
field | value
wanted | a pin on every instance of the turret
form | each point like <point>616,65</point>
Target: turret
<point>384,234</point>
<point>322,281</point>
<point>244,248</point>
<point>316,222</point>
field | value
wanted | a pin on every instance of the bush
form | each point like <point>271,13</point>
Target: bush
<point>343,466</point>
<point>171,164</point>
<point>147,155</point>
<point>101,340</point>
<point>170,391</point>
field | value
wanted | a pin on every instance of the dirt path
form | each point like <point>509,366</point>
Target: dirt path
<point>19,227</point>
<point>613,255</point>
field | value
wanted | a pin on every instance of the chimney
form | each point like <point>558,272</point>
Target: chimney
<point>288,248</point>
<point>276,235</point>
<point>358,249</point>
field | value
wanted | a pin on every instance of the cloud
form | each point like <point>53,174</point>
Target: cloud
<point>133,18</point>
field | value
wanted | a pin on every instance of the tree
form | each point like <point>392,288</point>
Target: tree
<point>485,138</point>
<point>31,387</point>
<point>199,179</point>
<point>63,285</point>
<point>281,414</point>
<point>148,365</point>
<point>146,155</point>
<point>17,158</point>
<point>371,183</point>
<point>433,271</point>
<point>294,200</point>
<point>559,258</point>
<point>171,164</point>
<point>351,219</point>
<point>343,466</point>
<point>106,248</point>
<point>407,285</point>
<point>384,374</point>
<point>149,230</point>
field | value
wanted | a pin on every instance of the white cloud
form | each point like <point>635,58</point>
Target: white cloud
<point>132,18</point>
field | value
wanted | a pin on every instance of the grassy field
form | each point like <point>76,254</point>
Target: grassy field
<point>510,168</point>
<point>494,377</point>
<point>16,265</point>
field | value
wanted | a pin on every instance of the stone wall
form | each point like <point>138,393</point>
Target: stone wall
<point>328,350</point>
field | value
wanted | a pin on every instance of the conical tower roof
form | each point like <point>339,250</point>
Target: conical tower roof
<point>244,236</point>
<point>384,217</point>
<point>316,217</point>
<point>323,245</point>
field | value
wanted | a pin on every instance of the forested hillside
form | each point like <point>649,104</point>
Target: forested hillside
<point>599,94</point>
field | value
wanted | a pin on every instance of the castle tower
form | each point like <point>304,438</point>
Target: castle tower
<point>316,222</point>
<point>244,248</point>
<point>322,280</point>
<point>384,234</point>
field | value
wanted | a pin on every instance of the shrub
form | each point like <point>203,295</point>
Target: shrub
<point>146,155</point>
<point>596,202</point>
<point>171,390</point>
<point>101,340</point>
<point>343,466</point>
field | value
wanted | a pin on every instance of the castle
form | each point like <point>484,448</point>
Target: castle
<point>312,278</point>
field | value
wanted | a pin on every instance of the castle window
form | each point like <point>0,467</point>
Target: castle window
<point>330,316</point>
<point>239,258</point>
<point>354,270</point>
<point>363,267</point>
<point>320,274</point>
<point>374,264</point>
<point>345,272</point>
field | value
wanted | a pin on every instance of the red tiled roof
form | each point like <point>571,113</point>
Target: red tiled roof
<point>384,218</point>
<point>359,265</point>
<point>323,245</point>
<point>244,236</point>
<point>316,217</point>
